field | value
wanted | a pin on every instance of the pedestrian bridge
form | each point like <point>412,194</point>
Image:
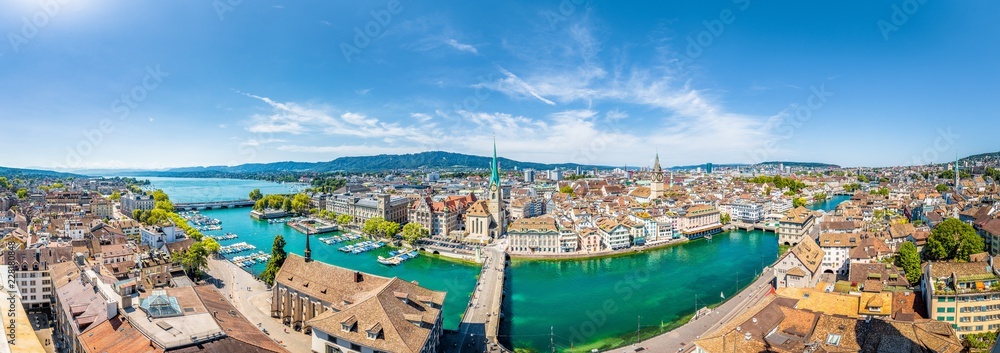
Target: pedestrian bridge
<point>188,206</point>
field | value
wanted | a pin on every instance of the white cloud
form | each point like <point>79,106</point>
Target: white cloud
<point>363,92</point>
<point>421,117</point>
<point>462,47</point>
<point>513,86</point>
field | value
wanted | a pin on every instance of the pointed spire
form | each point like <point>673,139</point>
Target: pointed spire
<point>308,252</point>
<point>656,162</point>
<point>495,173</point>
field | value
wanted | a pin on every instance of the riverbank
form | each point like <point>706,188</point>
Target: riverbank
<point>598,255</point>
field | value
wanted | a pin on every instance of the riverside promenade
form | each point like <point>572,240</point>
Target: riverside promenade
<point>679,339</point>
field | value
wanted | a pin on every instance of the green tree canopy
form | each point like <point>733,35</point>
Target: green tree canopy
<point>4,183</point>
<point>159,195</point>
<point>941,188</point>
<point>22,193</point>
<point>256,195</point>
<point>953,239</point>
<point>300,203</point>
<point>412,232</point>
<point>725,218</point>
<point>115,196</point>
<point>345,219</point>
<point>798,201</point>
<point>566,189</point>
<point>195,259</point>
<point>278,256</point>
<point>909,260</point>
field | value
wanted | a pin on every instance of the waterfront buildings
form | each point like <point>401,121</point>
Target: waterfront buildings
<point>440,218</point>
<point>746,211</point>
<point>800,266</point>
<point>391,208</point>
<point>798,224</point>
<point>538,235</point>
<point>350,311</point>
<point>132,201</point>
<point>700,220</point>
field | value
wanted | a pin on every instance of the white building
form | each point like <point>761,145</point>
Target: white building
<point>159,236</point>
<point>747,211</point>
<point>132,201</point>
<point>837,252</point>
<point>614,235</point>
<point>32,273</point>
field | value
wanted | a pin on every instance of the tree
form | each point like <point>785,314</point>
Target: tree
<point>4,183</point>
<point>725,218</point>
<point>566,189</point>
<point>159,195</point>
<point>256,195</point>
<point>345,219</point>
<point>278,256</point>
<point>941,188</point>
<point>211,246</point>
<point>136,214</point>
<point>22,193</point>
<point>909,260</point>
<point>371,226</point>
<point>819,196</point>
<point>388,229</point>
<point>165,205</point>
<point>287,205</point>
<point>195,259</point>
<point>115,196</point>
<point>798,201</point>
<point>412,232</point>
<point>300,203</point>
<point>953,239</point>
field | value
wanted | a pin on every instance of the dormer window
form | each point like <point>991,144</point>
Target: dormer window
<point>350,324</point>
<point>374,332</point>
<point>833,339</point>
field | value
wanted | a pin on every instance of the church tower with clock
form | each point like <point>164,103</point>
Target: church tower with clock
<point>496,196</point>
<point>656,184</point>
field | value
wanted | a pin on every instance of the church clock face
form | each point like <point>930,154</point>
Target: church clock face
<point>493,187</point>
<point>657,177</point>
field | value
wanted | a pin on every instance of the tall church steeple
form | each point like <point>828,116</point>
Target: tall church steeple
<point>495,167</point>
<point>495,203</point>
<point>656,182</point>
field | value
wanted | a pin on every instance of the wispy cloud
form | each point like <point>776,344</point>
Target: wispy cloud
<point>462,47</point>
<point>513,86</point>
<point>363,92</point>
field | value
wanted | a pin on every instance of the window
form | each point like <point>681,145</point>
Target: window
<point>331,349</point>
<point>833,339</point>
<point>940,310</point>
<point>951,310</point>
<point>941,299</point>
<point>355,347</point>
<point>951,299</point>
<point>940,318</point>
<point>951,318</point>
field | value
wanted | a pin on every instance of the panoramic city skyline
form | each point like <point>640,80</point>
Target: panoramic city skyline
<point>879,84</point>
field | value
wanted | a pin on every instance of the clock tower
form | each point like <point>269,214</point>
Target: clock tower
<point>496,195</point>
<point>656,184</point>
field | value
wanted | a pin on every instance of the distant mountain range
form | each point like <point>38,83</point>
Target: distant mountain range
<point>384,162</point>
<point>16,172</point>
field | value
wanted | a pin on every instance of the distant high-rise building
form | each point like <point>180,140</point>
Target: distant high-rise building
<point>529,176</point>
<point>708,168</point>
<point>555,175</point>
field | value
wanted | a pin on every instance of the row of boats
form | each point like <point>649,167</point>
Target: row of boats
<point>237,248</point>
<point>339,238</point>
<point>250,260</point>
<point>283,220</point>
<point>397,257</point>
<point>196,219</point>
<point>364,246</point>
<point>227,236</point>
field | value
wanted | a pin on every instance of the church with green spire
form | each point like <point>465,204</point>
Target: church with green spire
<point>486,220</point>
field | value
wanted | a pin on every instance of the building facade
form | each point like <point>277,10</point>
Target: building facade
<point>391,208</point>
<point>796,225</point>
<point>537,235</point>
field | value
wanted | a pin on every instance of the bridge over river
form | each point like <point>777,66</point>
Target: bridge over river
<point>212,205</point>
<point>481,321</point>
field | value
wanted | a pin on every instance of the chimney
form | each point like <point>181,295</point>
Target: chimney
<point>112,309</point>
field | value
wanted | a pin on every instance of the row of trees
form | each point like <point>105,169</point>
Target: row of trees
<point>342,219</point>
<point>278,256</point>
<point>779,182</point>
<point>298,203</point>
<point>378,226</point>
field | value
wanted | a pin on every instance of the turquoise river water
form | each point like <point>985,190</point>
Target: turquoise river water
<point>586,303</point>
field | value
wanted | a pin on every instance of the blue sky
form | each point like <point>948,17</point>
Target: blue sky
<point>142,84</point>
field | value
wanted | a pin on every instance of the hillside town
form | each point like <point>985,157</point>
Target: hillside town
<point>892,262</point>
